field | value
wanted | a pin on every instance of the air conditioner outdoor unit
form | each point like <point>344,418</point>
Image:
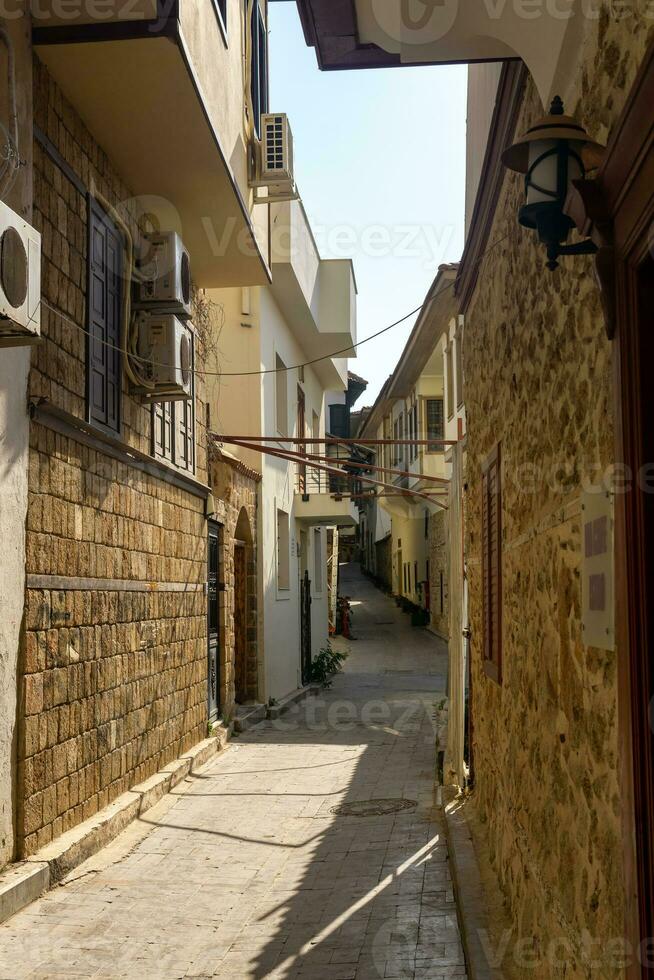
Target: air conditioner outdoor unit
<point>164,282</point>
<point>20,280</point>
<point>274,159</point>
<point>165,356</point>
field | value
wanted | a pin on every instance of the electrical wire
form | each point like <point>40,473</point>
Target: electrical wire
<point>293,367</point>
<point>11,156</point>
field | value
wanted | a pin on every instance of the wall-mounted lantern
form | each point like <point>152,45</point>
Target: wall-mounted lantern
<point>552,154</point>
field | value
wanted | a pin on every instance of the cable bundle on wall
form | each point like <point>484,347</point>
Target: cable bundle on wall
<point>10,155</point>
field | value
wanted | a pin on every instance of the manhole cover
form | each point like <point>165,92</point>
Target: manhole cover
<point>373,808</point>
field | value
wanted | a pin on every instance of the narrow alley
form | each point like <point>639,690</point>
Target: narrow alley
<point>247,871</point>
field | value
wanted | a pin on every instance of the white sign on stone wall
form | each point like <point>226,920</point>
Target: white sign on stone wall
<point>598,570</point>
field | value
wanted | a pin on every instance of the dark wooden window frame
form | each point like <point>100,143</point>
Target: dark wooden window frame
<point>434,447</point>
<point>259,66</point>
<point>169,454</point>
<point>491,546</point>
<point>458,364</point>
<point>220,9</point>
<point>451,400</point>
<point>96,214</point>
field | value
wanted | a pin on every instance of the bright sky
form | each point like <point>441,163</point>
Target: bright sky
<point>380,164</point>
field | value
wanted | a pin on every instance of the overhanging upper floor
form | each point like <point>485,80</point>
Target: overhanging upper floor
<point>318,297</point>
<point>384,33</point>
<point>149,80</point>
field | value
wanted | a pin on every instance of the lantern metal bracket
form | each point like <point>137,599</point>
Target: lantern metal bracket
<point>586,207</point>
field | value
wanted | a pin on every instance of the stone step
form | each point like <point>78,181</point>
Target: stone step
<point>248,715</point>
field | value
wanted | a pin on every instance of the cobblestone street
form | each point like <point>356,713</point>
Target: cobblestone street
<point>246,871</point>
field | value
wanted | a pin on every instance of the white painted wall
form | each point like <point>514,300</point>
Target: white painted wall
<point>455,340</point>
<point>482,91</point>
<point>282,609</point>
<point>282,322</point>
<point>14,441</point>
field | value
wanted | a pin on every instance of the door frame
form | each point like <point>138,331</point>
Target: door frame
<point>214,528</point>
<point>241,695</point>
<point>618,209</point>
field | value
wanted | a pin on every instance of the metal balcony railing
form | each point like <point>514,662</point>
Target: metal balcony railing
<point>310,481</point>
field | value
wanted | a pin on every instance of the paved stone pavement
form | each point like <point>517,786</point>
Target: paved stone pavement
<point>247,872</point>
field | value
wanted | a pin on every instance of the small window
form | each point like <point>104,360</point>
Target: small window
<point>492,564</point>
<point>449,381</point>
<point>401,450</point>
<point>104,316</point>
<point>220,6</point>
<point>339,421</point>
<point>173,431</point>
<point>163,430</point>
<point>317,560</point>
<point>459,366</point>
<point>283,552</point>
<point>259,66</point>
<point>435,423</point>
<point>281,396</point>
<point>388,461</point>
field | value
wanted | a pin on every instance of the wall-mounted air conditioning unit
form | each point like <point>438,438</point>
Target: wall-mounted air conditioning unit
<point>20,280</point>
<point>164,280</point>
<point>165,356</point>
<point>273,166</point>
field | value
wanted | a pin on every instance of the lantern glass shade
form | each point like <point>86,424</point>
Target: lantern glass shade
<point>543,176</point>
<point>551,154</point>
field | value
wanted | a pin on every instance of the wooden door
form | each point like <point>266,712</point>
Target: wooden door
<point>301,434</point>
<point>639,527</point>
<point>305,627</point>
<point>240,623</point>
<point>213,620</point>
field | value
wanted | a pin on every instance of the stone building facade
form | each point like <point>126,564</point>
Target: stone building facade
<point>439,560</point>
<point>115,640</point>
<point>538,382</point>
<point>236,490</point>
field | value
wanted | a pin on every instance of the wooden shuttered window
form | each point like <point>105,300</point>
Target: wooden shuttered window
<point>492,563</point>
<point>173,434</point>
<point>104,316</point>
<point>185,447</point>
<point>258,66</point>
<point>163,431</point>
<point>173,431</point>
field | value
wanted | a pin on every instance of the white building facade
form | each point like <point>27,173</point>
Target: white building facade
<point>308,312</point>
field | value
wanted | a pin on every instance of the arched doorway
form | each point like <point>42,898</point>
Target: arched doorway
<point>245,656</point>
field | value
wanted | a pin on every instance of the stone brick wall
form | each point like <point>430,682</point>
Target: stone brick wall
<point>538,378</point>
<point>236,488</point>
<point>115,675</point>
<point>439,565</point>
